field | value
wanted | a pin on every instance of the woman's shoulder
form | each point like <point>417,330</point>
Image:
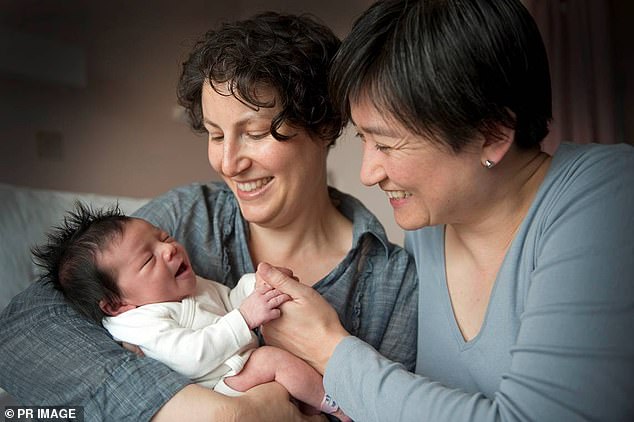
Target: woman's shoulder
<point>588,189</point>
<point>370,242</point>
<point>364,222</point>
<point>194,193</point>
<point>194,200</point>
<point>591,160</point>
<point>586,171</point>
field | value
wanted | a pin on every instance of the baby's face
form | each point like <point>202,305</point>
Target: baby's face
<point>149,265</point>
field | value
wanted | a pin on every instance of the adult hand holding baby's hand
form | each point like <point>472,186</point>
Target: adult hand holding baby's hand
<point>262,306</point>
<point>310,327</point>
<point>263,287</point>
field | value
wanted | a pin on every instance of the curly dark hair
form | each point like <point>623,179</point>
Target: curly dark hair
<point>68,258</point>
<point>291,54</point>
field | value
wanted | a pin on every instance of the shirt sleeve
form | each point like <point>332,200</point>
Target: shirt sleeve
<point>191,352</point>
<point>574,355</point>
<point>400,338</point>
<point>53,356</point>
<point>246,286</point>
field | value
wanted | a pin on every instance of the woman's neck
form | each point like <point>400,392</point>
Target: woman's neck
<point>475,250</point>
<point>505,204</point>
<point>312,244</point>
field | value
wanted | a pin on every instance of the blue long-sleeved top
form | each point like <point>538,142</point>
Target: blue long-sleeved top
<point>556,342</point>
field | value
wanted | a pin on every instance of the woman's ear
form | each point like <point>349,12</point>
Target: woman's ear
<point>113,309</point>
<point>494,148</point>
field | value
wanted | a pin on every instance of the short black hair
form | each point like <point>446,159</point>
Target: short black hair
<point>448,69</point>
<point>68,258</point>
<point>291,54</point>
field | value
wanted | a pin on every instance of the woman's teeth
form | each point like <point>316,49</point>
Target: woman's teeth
<point>397,194</point>
<point>250,186</point>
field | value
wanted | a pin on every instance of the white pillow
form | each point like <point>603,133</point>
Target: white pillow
<point>26,215</point>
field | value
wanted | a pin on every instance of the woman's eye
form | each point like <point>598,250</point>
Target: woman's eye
<point>258,135</point>
<point>214,135</point>
<point>381,148</point>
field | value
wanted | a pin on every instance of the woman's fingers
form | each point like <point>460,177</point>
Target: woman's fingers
<point>270,402</point>
<point>308,327</point>
<point>288,272</point>
<point>280,278</point>
<point>261,286</point>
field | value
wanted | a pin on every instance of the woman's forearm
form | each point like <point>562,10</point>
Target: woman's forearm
<point>196,403</point>
<point>267,402</point>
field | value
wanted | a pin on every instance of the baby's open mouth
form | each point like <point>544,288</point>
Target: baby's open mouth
<point>181,269</point>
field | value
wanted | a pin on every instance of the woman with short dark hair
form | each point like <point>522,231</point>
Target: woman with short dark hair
<point>526,293</point>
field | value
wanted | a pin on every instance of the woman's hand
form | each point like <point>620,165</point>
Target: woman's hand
<point>264,403</point>
<point>271,402</point>
<point>309,327</point>
<point>263,287</point>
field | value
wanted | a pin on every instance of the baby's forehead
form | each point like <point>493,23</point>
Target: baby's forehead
<point>140,224</point>
<point>134,231</point>
<point>129,228</point>
<point>123,247</point>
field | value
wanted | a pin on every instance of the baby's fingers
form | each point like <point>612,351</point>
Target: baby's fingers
<point>278,300</point>
<point>270,294</point>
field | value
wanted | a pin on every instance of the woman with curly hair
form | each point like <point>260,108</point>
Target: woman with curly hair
<point>258,89</point>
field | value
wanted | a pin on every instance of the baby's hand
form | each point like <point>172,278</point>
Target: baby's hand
<point>259,308</point>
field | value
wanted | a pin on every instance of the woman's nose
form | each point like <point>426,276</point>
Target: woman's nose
<point>372,171</point>
<point>234,157</point>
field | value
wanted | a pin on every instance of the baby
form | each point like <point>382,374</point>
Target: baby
<point>138,281</point>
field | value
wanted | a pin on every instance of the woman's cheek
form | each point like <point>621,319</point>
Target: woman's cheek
<point>215,157</point>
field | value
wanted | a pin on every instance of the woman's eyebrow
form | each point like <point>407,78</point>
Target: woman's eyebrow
<point>242,122</point>
<point>379,130</point>
<point>207,122</point>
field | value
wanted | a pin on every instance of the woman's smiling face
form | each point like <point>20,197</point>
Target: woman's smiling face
<point>426,184</point>
<point>273,181</point>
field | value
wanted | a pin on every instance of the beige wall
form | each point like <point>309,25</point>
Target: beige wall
<point>119,133</point>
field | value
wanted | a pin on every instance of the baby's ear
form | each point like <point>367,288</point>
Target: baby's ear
<point>113,309</point>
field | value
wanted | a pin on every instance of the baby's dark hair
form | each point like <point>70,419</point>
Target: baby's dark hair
<point>68,258</point>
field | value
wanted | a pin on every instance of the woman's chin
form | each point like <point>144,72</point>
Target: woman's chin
<point>409,222</point>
